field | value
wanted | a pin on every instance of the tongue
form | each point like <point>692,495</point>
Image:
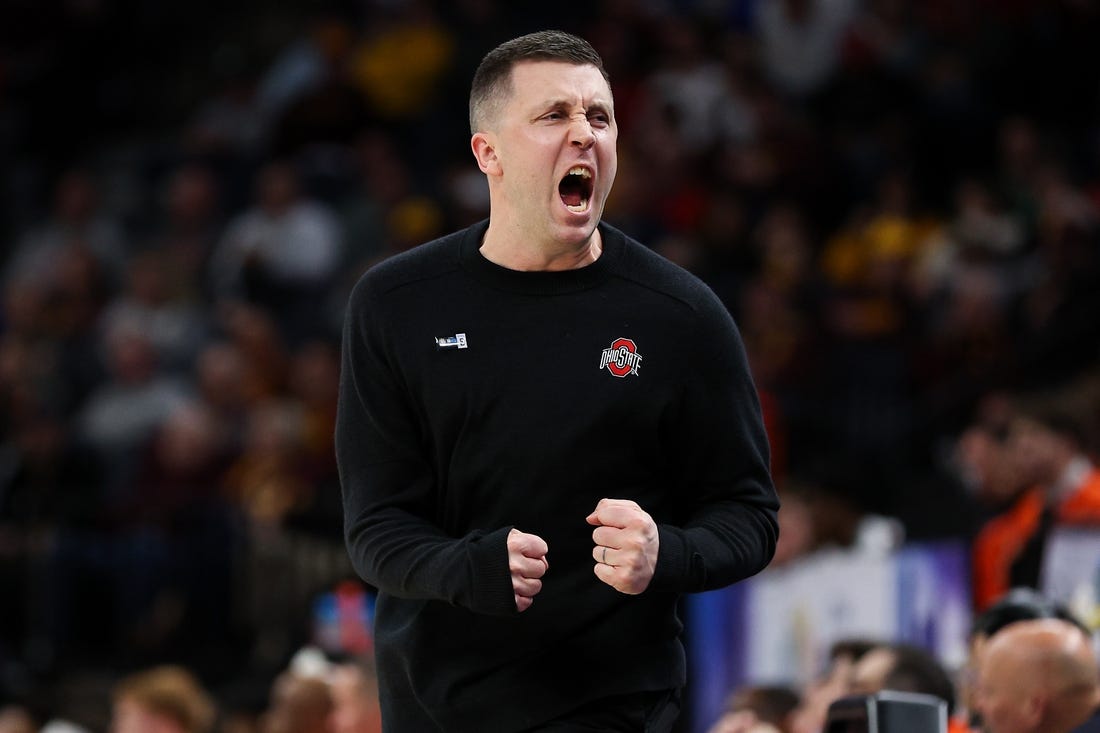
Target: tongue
<point>573,192</point>
<point>572,198</point>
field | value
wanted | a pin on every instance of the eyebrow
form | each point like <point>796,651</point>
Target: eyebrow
<point>561,104</point>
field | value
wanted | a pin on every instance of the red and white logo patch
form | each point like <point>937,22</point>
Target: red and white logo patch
<point>622,358</point>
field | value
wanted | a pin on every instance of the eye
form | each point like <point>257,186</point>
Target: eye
<point>601,119</point>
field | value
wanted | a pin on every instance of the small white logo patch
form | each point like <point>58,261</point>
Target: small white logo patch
<point>458,341</point>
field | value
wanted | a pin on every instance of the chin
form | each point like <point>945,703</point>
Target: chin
<point>574,233</point>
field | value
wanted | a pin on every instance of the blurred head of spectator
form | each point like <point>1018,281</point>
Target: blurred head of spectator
<point>1036,676</point>
<point>190,200</point>
<point>354,689</point>
<point>1046,438</point>
<point>254,334</point>
<point>129,354</point>
<point>986,466</point>
<point>165,699</point>
<point>904,668</point>
<point>178,478</point>
<point>187,441</point>
<point>1018,604</point>
<point>79,290</point>
<point>220,380</point>
<point>834,683</point>
<point>151,304</point>
<point>299,704</point>
<point>757,709</point>
<point>189,226</point>
<point>16,719</point>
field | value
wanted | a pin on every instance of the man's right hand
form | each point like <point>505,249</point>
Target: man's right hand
<point>527,562</point>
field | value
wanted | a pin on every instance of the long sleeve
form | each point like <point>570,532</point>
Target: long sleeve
<point>389,485</point>
<point>731,527</point>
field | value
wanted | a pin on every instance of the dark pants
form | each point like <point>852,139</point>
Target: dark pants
<point>638,712</point>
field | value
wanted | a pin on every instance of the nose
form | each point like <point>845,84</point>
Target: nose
<point>580,132</point>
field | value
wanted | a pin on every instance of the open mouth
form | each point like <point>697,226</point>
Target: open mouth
<point>575,189</point>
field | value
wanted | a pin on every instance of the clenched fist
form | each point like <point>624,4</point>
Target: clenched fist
<point>527,563</point>
<point>626,545</point>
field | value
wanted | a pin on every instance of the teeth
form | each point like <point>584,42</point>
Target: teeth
<point>579,208</point>
<point>579,171</point>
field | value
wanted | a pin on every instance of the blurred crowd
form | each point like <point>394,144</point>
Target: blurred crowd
<point>314,693</point>
<point>899,202</point>
<point>1031,666</point>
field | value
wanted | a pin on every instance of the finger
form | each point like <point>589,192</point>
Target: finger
<point>617,515</point>
<point>523,603</point>
<point>606,573</point>
<point>617,578</point>
<point>530,545</point>
<point>608,537</point>
<point>526,587</point>
<point>527,567</point>
<point>596,517</point>
<point>603,555</point>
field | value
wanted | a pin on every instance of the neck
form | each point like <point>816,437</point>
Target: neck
<point>517,251</point>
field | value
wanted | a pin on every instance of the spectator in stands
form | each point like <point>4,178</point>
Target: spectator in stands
<point>758,709</point>
<point>985,466</point>
<point>800,42</point>
<point>280,254</point>
<point>164,699</point>
<point>78,220</point>
<point>185,228</point>
<point>1037,676</point>
<point>221,382</point>
<point>254,333</point>
<point>1018,604</point>
<point>120,416</point>
<point>268,479</point>
<point>810,715</point>
<point>1049,440</point>
<point>175,327</point>
<point>905,668</point>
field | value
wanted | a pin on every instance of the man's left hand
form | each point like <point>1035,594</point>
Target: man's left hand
<point>626,545</point>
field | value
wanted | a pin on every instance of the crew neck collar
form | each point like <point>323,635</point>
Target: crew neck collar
<point>539,282</point>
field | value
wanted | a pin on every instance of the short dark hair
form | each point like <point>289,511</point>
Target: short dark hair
<point>1062,414</point>
<point>493,78</point>
<point>1021,604</point>
<point>917,670</point>
<point>770,703</point>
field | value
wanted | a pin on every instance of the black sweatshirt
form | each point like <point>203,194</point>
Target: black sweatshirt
<point>474,399</point>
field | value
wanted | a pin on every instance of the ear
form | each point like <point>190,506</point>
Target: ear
<point>485,152</point>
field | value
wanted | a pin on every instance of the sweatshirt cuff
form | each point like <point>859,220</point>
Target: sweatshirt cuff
<point>673,569</point>
<point>492,591</point>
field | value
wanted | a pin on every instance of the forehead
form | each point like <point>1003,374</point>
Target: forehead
<point>535,82</point>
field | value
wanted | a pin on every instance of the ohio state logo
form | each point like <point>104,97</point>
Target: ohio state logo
<point>622,358</point>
